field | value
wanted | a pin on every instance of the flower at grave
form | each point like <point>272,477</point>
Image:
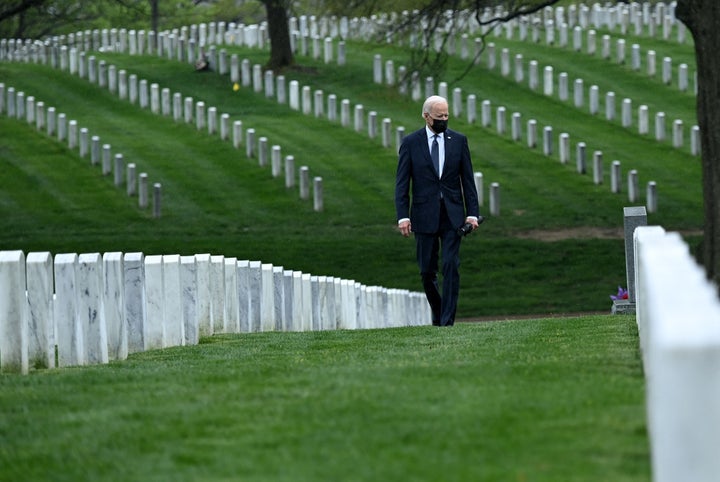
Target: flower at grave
<point>236,86</point>
<point>621,294</point>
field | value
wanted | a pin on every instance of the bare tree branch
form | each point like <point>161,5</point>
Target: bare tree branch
<point>437,22</point>
<point>514,11</point>
<point>14,10</point>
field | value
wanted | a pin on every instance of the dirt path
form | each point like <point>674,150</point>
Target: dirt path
<point>588,232</point>
<point>585,232</point>
<point>479,319</point>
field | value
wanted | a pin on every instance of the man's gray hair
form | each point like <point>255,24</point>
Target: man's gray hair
<point>430,102</point>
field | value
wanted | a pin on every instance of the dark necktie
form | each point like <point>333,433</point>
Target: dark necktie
<point>435,154</point>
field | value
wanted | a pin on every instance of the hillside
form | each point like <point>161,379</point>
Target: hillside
<point>555,247</point>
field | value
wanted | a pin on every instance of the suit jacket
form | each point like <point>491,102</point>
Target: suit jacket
<point>416,171</point>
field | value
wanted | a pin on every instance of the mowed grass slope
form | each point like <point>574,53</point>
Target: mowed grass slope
<point>217,200</point>
<point>541,400</point>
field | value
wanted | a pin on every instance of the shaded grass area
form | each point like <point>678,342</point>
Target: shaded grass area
<point>542,400</point>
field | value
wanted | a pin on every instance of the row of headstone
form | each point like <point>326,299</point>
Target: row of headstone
<point>162,102</point>
<point>18,105</point>
<point>633,18</point>
<point>331,111</point>
<point>256,79</point>
<point>565,154</point>
<point>622,55</point>
<point>677,313</point>
<point>318,110</point>
<point>302,98</point>
<point>459,106</point>
<point>458,27</point>
<point>313,103</point>
<point>610,105</point>
<point>251,77</point>
<point>305,100</point>
<point>506,66</point>
<point>81,309</point>
<point>385,73</point>
<point>184,42</point>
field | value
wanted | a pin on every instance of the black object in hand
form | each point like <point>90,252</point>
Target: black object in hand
<point>467,228</point>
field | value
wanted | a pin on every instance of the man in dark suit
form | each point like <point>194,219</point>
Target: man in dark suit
<point>434,165</point>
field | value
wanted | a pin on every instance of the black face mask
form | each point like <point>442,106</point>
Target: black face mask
<point>439,125</point>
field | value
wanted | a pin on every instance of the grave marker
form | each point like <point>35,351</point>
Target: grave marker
<point>633,186</point>
<point>232,306</point>
<point>548,140</point>
<point>13,314</point>
<point>203,298</point>
<point>153,336</point>
<point>651,197</point>
<point>495,199</point>
<point>633,217</point>
<point>532,134</point>
<point>304,182</point>
<point>113,302</point>
<point>318,194</point>
<point>41,336</point>
<point>660,126</point>
<point>516,127</point>
<point>69,336</point>
<point>581,158</point>
<point>289,171</point>
<point>157,200</point>
<point>501,120</point>
<point>237,133</point>
<point>597,167</point>
<point>91,315</point>
<point>564,148</point>
<point>217,293</point>
<point>143,190</point>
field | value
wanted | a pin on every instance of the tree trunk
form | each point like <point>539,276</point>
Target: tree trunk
<point>155,15</point>
<point>281,54</point>
<point>702,17</point>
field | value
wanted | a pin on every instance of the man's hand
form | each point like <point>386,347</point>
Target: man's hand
<point>405,228</point>
<point>473,222</point>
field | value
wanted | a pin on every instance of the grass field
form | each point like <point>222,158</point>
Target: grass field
<point>541,255</point>
<point>540,400</point>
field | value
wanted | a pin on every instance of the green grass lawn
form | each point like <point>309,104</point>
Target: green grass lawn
<point>540,400</point>
<point>217,200</point>
<point>547,399</point>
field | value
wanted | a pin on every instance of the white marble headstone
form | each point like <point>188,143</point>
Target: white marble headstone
<point>232,319</point>
<point>41,336</point>
<point>153,335</point>
<point>204,299</point>
<point>13,313</point>
<point>135,301</point>
<point>189,287</point>
<point>69,335</point>
<point>114,305</point>
<point>217,293</point>
<point>91,313</point>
